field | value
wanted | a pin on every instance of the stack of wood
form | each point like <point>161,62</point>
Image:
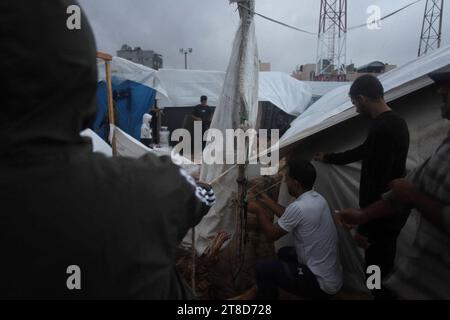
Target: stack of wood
<point>203,264</point>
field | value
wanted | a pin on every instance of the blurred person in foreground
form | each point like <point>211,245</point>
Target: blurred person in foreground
<point>65,208</point>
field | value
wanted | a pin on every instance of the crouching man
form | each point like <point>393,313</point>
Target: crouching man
<point>311,269</point>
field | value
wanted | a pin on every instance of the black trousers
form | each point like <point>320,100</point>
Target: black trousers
<point>288,275</point>
<point>382,254</point>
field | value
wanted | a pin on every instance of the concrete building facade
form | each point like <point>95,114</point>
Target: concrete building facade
<point>148,58</point>
<point>307,72</point>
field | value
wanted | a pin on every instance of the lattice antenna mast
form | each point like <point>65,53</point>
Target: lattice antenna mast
<point>332,39</point>
<point>430,39</point>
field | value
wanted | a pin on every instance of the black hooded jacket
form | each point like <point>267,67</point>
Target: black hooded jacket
<point>119,220</point>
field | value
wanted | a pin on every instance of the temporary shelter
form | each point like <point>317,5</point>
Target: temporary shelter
<point>134,89</point>
<point>332,124</point>
<point>277,91</point>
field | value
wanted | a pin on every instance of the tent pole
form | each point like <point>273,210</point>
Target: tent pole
<point>110,105</point>
<point>108,58</point>
<point>246,17</point>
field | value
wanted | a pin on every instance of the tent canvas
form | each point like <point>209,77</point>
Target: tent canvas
<point>331,125</point>
<point>340,184</point>
<point>131,101</point>
<point>184,88</point>
<point>134,90</point>
<point>336,106</point>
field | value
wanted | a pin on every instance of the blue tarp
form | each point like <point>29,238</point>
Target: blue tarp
<point>131,99</point>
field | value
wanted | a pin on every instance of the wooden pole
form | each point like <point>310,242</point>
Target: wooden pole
<point>108,58</point>
<point>241,216</point>
<point>110,105</point>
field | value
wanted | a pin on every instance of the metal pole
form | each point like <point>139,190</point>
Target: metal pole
<point>185,60</point>
<point>440,24</point>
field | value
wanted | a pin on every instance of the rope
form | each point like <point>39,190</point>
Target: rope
<point>315,34</point>
<point>387,16</point>
<point>265,190</point>
<point>276,21</point>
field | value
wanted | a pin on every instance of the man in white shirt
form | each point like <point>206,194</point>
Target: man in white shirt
<point>312,269</point>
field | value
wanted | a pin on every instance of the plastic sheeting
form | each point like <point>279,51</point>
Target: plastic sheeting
<point>132,101</point>
<point>336,106</point>
<point>290,95</point>
<point>321,88</point>
<point>339,184</point>
<point>123,70</point>
<point>241,84</point>
<point>127,146</point>
<point>184,88</point>
<point>135,88</point>
<point>98,144</point>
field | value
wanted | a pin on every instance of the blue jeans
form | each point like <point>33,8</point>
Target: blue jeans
<point>288,275</point>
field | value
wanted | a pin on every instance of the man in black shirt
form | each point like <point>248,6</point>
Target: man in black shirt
<point>383,156</point>
<point>202,112</point>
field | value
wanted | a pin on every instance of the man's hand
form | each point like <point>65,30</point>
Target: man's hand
<point>404,191</point>
<point>320,156</point>
<point>349,218</point>
<point>361,241</point>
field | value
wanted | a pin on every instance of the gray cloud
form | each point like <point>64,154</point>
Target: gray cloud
<point>208,26</point>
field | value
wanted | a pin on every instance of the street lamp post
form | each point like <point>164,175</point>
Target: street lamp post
<point>185,52</point>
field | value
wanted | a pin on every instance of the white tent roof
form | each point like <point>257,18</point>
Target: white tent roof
<point>320,88</point>
<point>127,70</point>
<point>184,88</point>
<point>290,95</point>
<point>336,107</point>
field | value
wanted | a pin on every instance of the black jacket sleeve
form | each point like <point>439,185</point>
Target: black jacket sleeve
<point>385,156</point>
<point>347,157</point>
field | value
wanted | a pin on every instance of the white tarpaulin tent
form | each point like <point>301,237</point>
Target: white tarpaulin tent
<point>184,88</point>
<point>123,69</point>
<point>285,92</point>
<point>336,106</point>
<point>331,125</point>
<point>321,88</point>
<point>98,144</point>
<point>239,93</point>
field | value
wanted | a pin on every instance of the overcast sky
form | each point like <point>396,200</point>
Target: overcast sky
<point>209,26</point>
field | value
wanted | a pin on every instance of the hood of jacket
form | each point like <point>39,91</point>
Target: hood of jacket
<point>50,74</point>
